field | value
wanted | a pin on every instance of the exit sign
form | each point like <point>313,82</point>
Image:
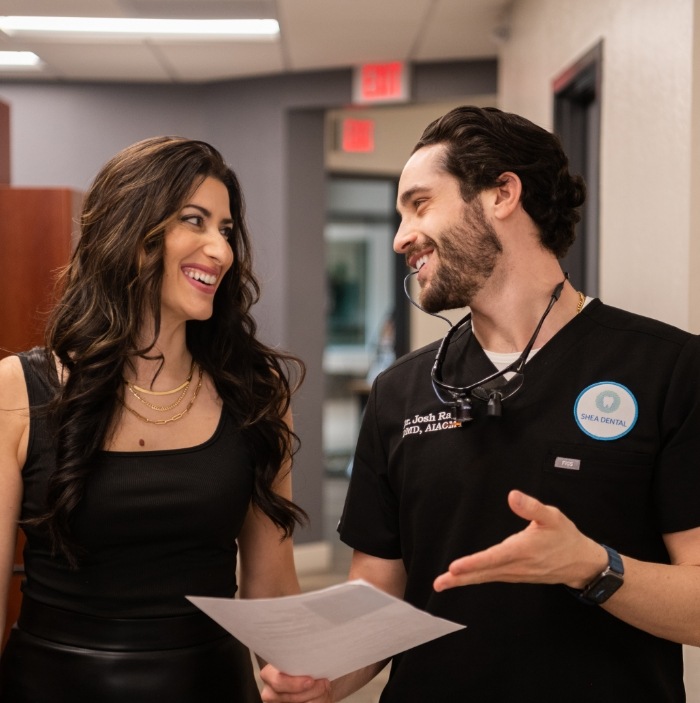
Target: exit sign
<point>381,83</point>
<point>357,136</point>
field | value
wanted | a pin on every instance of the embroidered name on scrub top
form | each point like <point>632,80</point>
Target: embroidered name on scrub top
<point>606,410</point>
<point>431,422</point>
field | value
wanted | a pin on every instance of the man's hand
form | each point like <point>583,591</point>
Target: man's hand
<point>549,550</point>
<point>280,688</point>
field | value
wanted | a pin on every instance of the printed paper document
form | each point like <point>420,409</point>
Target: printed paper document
<point>326,633</point>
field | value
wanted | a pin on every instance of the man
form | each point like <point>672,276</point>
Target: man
<point>552,509</point>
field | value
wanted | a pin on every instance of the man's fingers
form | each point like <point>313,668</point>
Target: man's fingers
<point>527,507</point>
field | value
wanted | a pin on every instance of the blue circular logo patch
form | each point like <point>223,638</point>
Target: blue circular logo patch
<point>606,410</point>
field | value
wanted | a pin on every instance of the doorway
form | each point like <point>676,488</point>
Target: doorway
<point>361,315</point>
<point>577,109</point>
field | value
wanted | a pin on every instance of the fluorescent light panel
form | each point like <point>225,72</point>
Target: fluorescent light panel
<point>225,28</point>
<point>19,59</point>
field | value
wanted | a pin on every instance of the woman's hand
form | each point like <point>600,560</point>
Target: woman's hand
<point>280,688</point>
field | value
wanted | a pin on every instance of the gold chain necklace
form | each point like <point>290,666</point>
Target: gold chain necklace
<point>182,413</point>
<point>184,384</point>
<point>159,408</point>
<point>581,302</point>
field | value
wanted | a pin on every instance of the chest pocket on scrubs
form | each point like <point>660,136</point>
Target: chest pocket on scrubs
<point>602,489</point>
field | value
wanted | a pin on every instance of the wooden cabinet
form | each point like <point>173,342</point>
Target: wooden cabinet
<point>36,233</point>
<point>4,143</point>
<point>38,227</point>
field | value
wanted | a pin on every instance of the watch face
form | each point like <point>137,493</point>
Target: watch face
<point>603,587</point>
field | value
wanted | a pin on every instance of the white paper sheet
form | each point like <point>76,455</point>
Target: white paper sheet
<point>326,633</point>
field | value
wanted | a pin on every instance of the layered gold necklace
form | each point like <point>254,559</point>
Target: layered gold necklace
<point>182,389</point>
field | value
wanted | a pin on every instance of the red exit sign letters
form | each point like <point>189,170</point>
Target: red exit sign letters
<point>380,83</point>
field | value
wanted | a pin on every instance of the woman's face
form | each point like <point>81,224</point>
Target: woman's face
<point>197,254</point>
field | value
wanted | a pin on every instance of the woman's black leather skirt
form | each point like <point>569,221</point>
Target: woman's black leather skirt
<point>57,656</point>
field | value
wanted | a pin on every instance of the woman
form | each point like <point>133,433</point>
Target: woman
<point>158,442</point>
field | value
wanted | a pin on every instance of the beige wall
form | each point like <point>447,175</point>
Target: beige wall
<point>694,182</point>
<point>692,654</point>
<point>396,130</point>
<point>646,255</point>
<point>650,155</point>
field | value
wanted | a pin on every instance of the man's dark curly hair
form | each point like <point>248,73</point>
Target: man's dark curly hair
<point>483,143</point>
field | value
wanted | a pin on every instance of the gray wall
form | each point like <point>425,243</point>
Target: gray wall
<point>271,132</point>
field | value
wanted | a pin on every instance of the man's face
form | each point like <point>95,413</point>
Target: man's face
<point>450,242</point>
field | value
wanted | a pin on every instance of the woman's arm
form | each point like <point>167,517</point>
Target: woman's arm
<point>14,429</point>
<point>266,559</point>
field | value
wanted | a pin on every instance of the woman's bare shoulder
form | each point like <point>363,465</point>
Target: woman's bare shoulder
<point>14,414</point>
<point>13,388</point>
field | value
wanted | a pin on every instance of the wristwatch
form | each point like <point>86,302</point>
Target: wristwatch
<point>606,583</point>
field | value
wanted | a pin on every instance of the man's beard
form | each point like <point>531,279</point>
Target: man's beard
<point>467,257</point>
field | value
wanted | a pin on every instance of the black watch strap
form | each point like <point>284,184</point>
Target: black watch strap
<point>606,583</point>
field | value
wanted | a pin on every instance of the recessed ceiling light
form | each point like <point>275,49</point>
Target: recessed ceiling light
<point>19,59</point>
<point>135,27</point>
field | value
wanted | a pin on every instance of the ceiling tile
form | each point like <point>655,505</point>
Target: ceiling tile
<point>127,61</point>
<point>459,29</point>
<point>315,35</point>
<point>200,9</point>
<point>319,33</point>
<point>207,61</point>
<point>62,8</point>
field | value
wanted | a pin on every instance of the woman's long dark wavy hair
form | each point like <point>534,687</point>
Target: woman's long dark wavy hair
<point>113,281</point>
<point>483,143</point>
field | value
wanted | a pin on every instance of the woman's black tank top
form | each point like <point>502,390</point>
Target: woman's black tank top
<point>156,526</point>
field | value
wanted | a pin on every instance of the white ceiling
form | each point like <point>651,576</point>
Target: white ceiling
<point>315,34</point>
